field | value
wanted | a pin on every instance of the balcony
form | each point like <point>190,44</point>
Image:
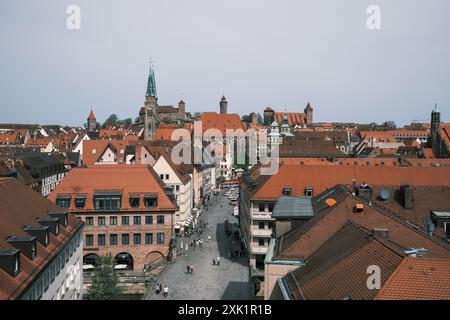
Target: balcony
<point>255,249</point>
<point>261,232</point>
<point>260,215</point>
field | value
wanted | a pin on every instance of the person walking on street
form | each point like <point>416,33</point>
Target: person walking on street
<point>214,262</point>
<point>192,268</point>
<point>166,291</point>
<point>218,261</point>
<point>187,268</point>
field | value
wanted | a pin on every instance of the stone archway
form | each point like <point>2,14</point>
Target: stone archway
<point>126,259</point>
<point>154,257</point>
<point>90,258</point>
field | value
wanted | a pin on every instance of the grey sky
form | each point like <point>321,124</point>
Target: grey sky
<point>256,52</point>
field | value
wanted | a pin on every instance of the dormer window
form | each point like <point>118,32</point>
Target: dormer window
<point>62,217</point>
<point>134,201</point>
<point>287,191</point>
<point>63,201</point>
<point>108,201</point>
<point>27,245</point>
<point>309,192</point>
<point>80,202</point>
<point>10,261</point>
<point>52,223</point>
<point>40,232</point>
<point>151,201</point>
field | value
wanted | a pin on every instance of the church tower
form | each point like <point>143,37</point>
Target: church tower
<point>435,123</point>
<point>150,107</point>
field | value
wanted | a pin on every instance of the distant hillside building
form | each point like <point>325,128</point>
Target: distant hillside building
<point>294,119</point>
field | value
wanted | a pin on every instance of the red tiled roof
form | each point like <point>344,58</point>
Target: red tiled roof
<point>10,137</point>
<point>91,116</point>
<point>375,162</point>
<point>445,134</point>
<point>21,206</point>
<point>418,279</point>
<point>129,180</point>
<point>222,122</point>
<point>166,133</point>
<point>322,177</point>
<point>107,133</point>
<point>294,118</point>
<point>100,146</point>
<point>301,242</point>
<point>338,269</point>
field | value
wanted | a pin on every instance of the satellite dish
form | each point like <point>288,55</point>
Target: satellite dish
<point>384,194</point>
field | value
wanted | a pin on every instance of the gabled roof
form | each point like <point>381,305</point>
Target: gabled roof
<point>100,146</point>
<point>338,268</point>
<point>182,175</point>
<point>301,242</point>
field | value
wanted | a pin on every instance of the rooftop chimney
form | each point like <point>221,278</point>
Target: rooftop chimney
<point>364,192</point>
<point>406,197</point>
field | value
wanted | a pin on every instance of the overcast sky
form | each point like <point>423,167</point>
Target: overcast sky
<point>256,52</point>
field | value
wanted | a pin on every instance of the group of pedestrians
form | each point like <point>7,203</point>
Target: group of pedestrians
<point>190,268</point>
<point>197,243</point>
<point>164,290</point>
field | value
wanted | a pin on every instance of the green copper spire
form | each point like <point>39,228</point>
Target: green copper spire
<point>436,109</point>
<point>151,85</point>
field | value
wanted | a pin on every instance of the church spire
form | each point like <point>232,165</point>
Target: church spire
<point>151,84</point>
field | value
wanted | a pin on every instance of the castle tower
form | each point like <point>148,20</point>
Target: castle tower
<point>269,116</point>
<point>150,107</point>
<point>309,114</point>
<point>181,110</point>
<point>223,105</point>
<point>91,122</point>
<point>435,123</point>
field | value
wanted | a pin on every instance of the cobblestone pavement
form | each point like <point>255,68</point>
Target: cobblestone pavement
<point>227,281</point>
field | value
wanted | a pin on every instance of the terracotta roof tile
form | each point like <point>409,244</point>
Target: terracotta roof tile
<point>222,122</point>
<point>418,279</point>
<point>338,269</point>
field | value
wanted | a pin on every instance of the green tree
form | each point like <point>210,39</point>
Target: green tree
<point>105,281</point>
<point>112,120</point>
